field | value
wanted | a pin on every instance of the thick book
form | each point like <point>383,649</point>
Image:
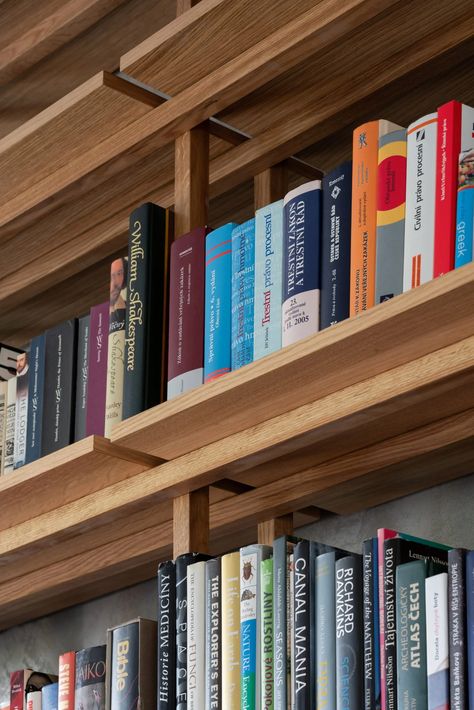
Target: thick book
<point>302,208</point>
<point>131,664</point>
<point>116,344</point>
<point>82,375</point>
<point>365,148</point>
<point>457,628</point>
<point>27,680</point>
<point>49,699</point>
<point>230,636</point>
<point>166,655</point>
<point>268,279</point>
<point>213,634</point>
<point>3,420</point>
<point>250,611</point>
<point>146,324</point>
<point>455,136</point>
<point>282,548</point>
<point>90,678</point>
<point>266,631</point>
<point>35,399</point>
<point>464,244</point>
<point>196,642</point>
<point>33,700</point>
<point>391,190</point>
<point>67,680</point>
<point>349,647</point>
<point>242,303</point>
<point>470,625</point>
<point>420,201</point>
<point>303,591</point>
<point>59,387</point>
<point>10,420</point>
<point>186,320</point>
<point>371,625</point>
<point>325,635</point>
<point>336,245</point>
<point>21,409</point>
<point>97,375</point>
<point>218,303</point>
<point>437,641</point>
<point>8,355</point>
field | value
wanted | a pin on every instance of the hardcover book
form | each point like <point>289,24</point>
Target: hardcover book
<point>301,649</point>
<point>465,209</point>
<point>166,636</point>
<point>8,355</point>
<point>21,410</point>
<point>301,262</point>
<point>26,680</point>
<point>420,201</point>
<point>10,419</point>
<point>437,642</point>
<point>349,648</point>
<point>325,626</point>
<point>90,679</point>
<point>49,699</point>
<point>67,680</point>
<point>33,700</point>
<point>146,324</point>
<point>218,299</point>
<point>59,380</point>
<point>243,283</point>
<point>365,149</point>
<point>35,399</point>
<point>268,279</point>
<point>116,344</point>
<point>371,625</point>
<point>82,374</point>
<point>391,190</point>
<point>457,628</point>
<point>3,419</point>
<point>196,642</point>
<point>97,373</point>
<point>282,548</point>
<point>213,634</point>
<point>230,595</point>
<point>186,321</point>
<point>336,245</point>
<point>266,632</point>
<point>470,625</point>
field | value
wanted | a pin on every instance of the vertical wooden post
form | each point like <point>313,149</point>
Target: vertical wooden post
<point>271,529</point>
<point>191,522</point>
<point>191,191</point>
<point>183,5</point>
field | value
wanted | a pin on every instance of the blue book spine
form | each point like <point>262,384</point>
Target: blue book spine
<point>464,226</point>
<point>35,399</point>
<point>325,625</point>
<point>218,295</point>
<point>49,697</point>
<point>336,245</point>
<point>243,282</point>
<point>470,625</point>
<point>301,262</point>
<point>268,279</point>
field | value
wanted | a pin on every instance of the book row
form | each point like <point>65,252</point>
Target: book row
<point>184,313</point>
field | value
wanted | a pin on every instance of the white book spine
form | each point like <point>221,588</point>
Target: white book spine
<point>437,640</point>
<point>10,426</point>
<point>3,420</point>
<point>196,669</point>
<point>33,700</point>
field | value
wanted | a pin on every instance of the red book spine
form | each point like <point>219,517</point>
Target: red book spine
<point>447,156</point>
<point>67,680</point>
<point>17,689</point>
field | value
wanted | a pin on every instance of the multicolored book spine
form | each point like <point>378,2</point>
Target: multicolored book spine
<point>336,245</point>
<point>21,411</point>
<point>266,634</point>
<point>230,571</point>
<point>465,210</point>
<point>437,641</point>
<point>116,344</point>
<point>97,375</point>
<point>186,322</point>
<point>457,628</point>
<point>420,201</point>
<point>365,150</point>
<point>67,680</point>
<point>10,419</point>
<point>349,648</point>
<point>218,298</point>
<point>82,376</point>
<point>268,279</point>
<point>35,399</point>
<point>243,283</point>
<point>213,634</point>
<point>90,679</point>
<point>196,613</point>
<point>166,676</point>
<point>8,355</point>
<point>302,210</point>
<point>391,190</point>
<point>325,625</point>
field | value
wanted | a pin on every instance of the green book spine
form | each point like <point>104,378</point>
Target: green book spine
<point>412,691</point>
<point>266,634</point>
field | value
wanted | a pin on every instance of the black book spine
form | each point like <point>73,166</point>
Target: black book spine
<point>90,678</point>
<point>59,387</point>
<point>368,619</point>
<point>82,372</point>
<point>349,645</point>
<point>213,633</point>
<point>166,636</point>
<point>457,628</point>
<point>35,399</point>
<point>336,245</point>
<point>302,626</point>
<point>392,558</point>
<point>147,309</point>
<point>125,687</point>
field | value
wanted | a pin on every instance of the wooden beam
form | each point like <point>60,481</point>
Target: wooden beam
<point>184,5</point>
<point>191,202</point>
<point>270,529</point>
<point>270,185</point>
<point>191,522</point>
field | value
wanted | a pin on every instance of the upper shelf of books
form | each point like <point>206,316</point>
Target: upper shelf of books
<point>286,77</point>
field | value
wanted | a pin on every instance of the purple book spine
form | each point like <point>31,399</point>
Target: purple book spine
<point>97,382</point>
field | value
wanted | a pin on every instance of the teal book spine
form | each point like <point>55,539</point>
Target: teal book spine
<point>243,282</point>
<point>325,636</point>
<point>464,225</point>
<point>266,634</point>
<point>268,279</point>
<point>412,686</point>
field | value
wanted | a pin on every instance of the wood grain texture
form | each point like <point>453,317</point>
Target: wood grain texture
<point>191,522</point>
<point>191,191</point>
<point>270,185</point>
<point>269,530</point>
<point>184,5</point>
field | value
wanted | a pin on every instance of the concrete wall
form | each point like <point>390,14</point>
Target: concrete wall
<point>444,513</point>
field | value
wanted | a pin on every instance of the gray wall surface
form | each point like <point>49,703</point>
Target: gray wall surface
<point>443,513</point>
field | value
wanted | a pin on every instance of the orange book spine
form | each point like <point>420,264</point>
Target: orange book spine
<point>67,681</point>
<point>364,216</point>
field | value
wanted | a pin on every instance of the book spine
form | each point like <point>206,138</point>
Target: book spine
<point>213,634</point>
<point>116,344</point>
<point>281,658</point>
<point>218,299</point>
<point>243,282</point>
<point>166,675</point>
<point>231,631</point>
<point>376,615</point>
<point>82,375</point>
<point>10,418</point>
<point>266,634</point>
<point>470,626</point>
<point>420,201</point>
<point>437,643</point>
<point>391,190</point>
<point>67,680</point>
<point>349,661</point>
<point>196,660</point>
<point>291,630</point>
<point>3,420</point>
<point>325,625</point>
<point>268,279</point>
<point>465,210</point>
<point>186,321</point>
<point>302,626</point>
<point>457,628</point>
<point>98,347</point>
<point>33,700</point>
<point>391,558</point>
<point>90,678</point>
<point>336,245</point>
<point>369,604</point>
<point>249,588</point>
<point>302,209</point>
<point>21,411</point>
<point>411,628</point>
<point>35,399</point>
<point>17,689</point>
<point>49,697</point>
<point>125,669</point>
